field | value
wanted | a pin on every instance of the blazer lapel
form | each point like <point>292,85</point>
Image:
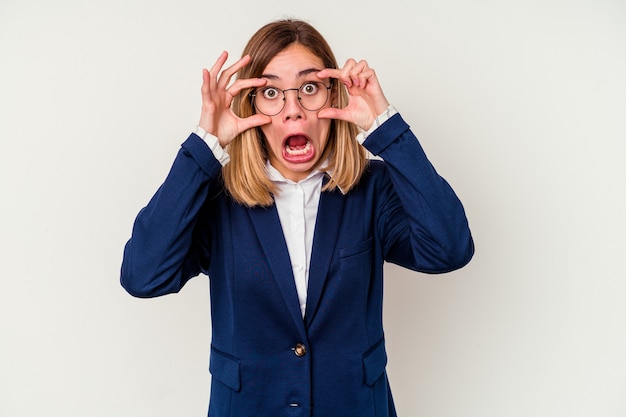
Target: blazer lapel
<point>269,232</point>
<point>329,217</point>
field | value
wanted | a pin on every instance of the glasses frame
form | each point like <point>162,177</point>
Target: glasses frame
<point>253,94</point>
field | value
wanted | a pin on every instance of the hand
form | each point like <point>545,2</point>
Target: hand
<point>217,117</point>
<point>367,100</point>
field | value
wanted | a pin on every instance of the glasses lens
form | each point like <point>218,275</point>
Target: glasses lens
<point>313,95</point>
<point>270,101</point>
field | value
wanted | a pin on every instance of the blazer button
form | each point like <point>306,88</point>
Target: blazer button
<point>299,350</point>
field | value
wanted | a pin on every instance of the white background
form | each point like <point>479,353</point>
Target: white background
<point>520,105</point>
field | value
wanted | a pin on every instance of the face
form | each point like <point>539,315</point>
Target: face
<point>296,138</point>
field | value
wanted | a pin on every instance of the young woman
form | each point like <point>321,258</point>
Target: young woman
<point>273,198</point>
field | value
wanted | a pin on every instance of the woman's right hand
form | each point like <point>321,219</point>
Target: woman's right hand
<point>217,117</point>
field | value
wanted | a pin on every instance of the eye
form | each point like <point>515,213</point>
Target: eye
<point>309,89</point>
<point>271,93</point>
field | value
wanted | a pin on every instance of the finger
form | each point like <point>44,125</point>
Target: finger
<point>206,81</point>
<point>254,121</point>
<point>341,74</point>
<point>333,113</point>
<point>205,90</point>
<point>366,76</point>
<point>363,119</point>
<point>228,73</point>
<point>329,73</point>
<point>348,73</point>
<point>356,73</point>
<point>242,84</point>
<point>349,65</point>
<point>217,67</point>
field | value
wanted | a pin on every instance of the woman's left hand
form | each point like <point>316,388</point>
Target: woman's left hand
<point>367,100</point>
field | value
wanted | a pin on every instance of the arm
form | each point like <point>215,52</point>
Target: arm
<point>421,221</point>
<point>163,252</point>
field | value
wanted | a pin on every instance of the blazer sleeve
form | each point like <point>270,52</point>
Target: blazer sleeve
<point>163,252</point>
<point>421,222</point>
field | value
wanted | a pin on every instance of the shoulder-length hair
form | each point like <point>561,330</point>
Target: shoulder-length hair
<point>245,176</point>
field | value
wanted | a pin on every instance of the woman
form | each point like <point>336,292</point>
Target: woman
<point>273,198</point>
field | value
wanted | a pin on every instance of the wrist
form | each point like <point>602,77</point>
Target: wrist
<point>214,144</point>
<point>385,115</point>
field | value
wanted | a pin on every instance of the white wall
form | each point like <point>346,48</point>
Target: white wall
<point>520,105</point>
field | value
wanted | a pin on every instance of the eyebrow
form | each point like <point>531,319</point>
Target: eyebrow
<point>300,74</point>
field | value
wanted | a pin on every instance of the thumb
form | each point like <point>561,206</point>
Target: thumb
<point>254,121</point>
<point>332,113</point>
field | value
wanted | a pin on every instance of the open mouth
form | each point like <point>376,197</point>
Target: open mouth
<point>298,148</point>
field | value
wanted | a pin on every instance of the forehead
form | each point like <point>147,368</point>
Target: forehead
<point>294,62</point>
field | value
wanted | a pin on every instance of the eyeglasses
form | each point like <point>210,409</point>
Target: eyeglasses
<point>269,101</point>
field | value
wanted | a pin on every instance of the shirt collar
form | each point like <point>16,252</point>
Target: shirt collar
<point>276,177</point>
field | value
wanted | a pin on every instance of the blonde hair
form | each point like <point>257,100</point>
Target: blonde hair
<point>245,176</point>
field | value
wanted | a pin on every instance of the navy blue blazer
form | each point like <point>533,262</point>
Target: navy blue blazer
<point>266,360</point>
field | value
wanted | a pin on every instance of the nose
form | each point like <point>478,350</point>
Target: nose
<point>293,109</point>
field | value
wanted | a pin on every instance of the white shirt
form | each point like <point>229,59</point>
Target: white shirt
<point>297,203</point>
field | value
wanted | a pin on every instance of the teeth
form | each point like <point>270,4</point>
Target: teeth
<point>298,152</point>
